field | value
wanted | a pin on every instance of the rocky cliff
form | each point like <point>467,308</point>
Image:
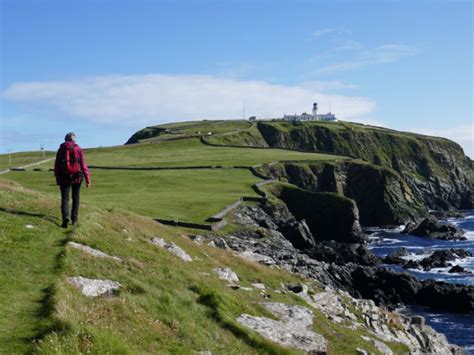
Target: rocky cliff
<point>381,195</point>
<point>435,169</point>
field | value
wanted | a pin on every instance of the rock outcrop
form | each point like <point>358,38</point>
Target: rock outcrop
<point>293,329</point>
<point>432,228</point>
<point>329,216</point>
<point>436,169</point>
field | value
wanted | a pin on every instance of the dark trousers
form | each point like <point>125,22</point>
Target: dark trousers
<point>65,191</point>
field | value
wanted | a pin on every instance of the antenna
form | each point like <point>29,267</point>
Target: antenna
<point>243,109</point>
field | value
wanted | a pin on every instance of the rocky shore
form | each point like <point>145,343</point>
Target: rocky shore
<point>350,267</point>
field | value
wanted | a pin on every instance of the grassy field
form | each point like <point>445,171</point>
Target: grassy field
<point>23,158</point>
<point>191,152</point>
<point>164,305</point>
<point>184,195</point>
<point>189,195</point>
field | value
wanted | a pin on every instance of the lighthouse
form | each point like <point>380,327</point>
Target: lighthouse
<point>315,111</point>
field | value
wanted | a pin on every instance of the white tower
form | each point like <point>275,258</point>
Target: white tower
<point>315,111</point>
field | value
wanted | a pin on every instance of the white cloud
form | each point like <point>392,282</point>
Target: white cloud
<point>328,85</point>
<point>462,134</point>
<point>328,31</point>
<point>157,98</point>
<point>387,53</point>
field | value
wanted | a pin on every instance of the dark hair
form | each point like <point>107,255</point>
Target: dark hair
<point>69,137</point>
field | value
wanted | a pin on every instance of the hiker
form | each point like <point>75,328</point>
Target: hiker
<point>70,169</point>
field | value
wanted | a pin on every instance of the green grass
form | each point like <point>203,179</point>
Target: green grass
<point>191,152</point>
<point>164,305</point>
<point>29,261</point>
<point>189,195</point>
<point>187,129</point>
<point>22,158</point>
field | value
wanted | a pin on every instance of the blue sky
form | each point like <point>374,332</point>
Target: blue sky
<point>105,69</point>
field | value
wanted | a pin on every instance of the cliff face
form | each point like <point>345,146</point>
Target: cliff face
<point>435,169</point>
<point>381,195</point>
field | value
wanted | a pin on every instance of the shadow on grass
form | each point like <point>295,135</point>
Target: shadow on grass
<point>220,307</point>
<point>45,312</point>
<point>30,214</point>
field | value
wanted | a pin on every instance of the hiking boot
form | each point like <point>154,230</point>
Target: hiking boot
<point>75,223</point>
<point>65,222</point>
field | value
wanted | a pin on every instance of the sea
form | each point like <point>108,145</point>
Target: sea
<point>458,328</point>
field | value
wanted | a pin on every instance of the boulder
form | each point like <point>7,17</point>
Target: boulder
<point>432,228</point>
<point>396,257</point>
<point>459,269</point>
<point>94,287</point>
<point>226,274</point>
<point>172,248</point>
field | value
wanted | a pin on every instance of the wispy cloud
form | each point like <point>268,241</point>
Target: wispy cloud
<point>386,53</point>
<point>330,31</point>
<point>329,85</point>
<point>155,98</point>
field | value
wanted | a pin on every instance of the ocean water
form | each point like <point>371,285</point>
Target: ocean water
<point>458,328</point>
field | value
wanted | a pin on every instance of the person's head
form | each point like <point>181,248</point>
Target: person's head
<point>70,137</point>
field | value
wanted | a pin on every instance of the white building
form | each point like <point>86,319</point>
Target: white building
<point>311,117</point>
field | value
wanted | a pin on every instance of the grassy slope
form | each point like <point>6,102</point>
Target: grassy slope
<point>165,305</point>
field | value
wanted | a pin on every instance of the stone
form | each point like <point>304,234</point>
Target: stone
<point>158,241</point>
<point>93,252</point>
<point>172,248</point>
<point>259,286</point>
<point>362,351</point>
<point>94,287</point>
<point>29,226</point>
<point>256,257</point>
<point>180,253</point>
<point>198,239</point>
<point>291,330</point>
<point>226,274</point>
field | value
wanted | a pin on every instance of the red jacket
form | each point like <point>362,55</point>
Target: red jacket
<point>61,177</point>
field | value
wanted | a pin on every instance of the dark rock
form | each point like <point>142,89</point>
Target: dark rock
<point>329,216</point>
<point>458,269</point>
<point>430,227</point>
<point>298,233</point>
<point>441,258</point>
<point>395,257</point>
<point>439,295</point>
<point>343,253</point>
